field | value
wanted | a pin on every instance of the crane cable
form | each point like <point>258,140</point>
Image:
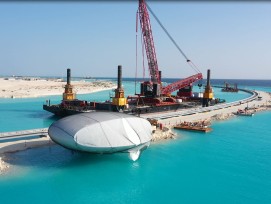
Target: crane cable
<point>136,51</point>
<point>173,41</point>
<point>142,44</point>
<point>143,56</point>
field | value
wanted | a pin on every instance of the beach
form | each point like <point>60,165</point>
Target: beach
<point>20,88</point>
<point>20,145</point>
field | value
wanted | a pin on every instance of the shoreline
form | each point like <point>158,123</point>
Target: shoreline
<point>41,88</point>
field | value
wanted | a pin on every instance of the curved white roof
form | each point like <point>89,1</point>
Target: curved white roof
<point>101,132</point>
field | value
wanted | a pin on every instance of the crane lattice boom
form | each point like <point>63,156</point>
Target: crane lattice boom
<point>148,41</point>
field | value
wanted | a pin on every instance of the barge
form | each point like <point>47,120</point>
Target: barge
<point>200,129</point>
<point>136,105</point>
<point>196,126</point>
<point>228,88</point>
<point>244,113</point>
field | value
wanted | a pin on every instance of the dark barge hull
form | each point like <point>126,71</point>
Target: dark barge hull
<point>136,110</point>
<point>59,111</point>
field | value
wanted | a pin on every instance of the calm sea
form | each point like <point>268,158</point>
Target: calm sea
<point>232,164</point>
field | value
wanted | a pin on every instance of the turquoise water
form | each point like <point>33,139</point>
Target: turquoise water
<point>232,164</point>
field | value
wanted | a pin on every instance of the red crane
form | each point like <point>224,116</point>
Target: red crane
<point>154,87</point>
<point>148,41</point>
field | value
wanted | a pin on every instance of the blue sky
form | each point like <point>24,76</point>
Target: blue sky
<point>93,38</point>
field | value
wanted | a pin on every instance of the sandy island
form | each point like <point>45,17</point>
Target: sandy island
<point>21,88</point>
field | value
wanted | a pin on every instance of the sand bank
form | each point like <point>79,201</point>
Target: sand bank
<point>14,146</point>
<point>20,88</point>
<point>221,114</point>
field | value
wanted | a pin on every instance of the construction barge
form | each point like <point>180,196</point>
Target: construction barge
<point>229,88</point>
<point>138,104</point>
<point>244,112</point>
<point>132,104</point>
<point>193,128</point>
<point>201,126</point>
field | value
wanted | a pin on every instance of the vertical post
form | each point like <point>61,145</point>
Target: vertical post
<point>208,93</point>
<point>160,75</point>
<point>119,76</point>
<point>68,93</point>
<point>69,76</point>
<point>208,78</point>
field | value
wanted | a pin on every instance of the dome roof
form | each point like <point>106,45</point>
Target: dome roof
<point>101,132</point>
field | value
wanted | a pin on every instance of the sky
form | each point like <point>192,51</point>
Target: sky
<point>233,39</point>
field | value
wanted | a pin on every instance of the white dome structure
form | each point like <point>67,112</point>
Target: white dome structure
<point>102,132</point>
